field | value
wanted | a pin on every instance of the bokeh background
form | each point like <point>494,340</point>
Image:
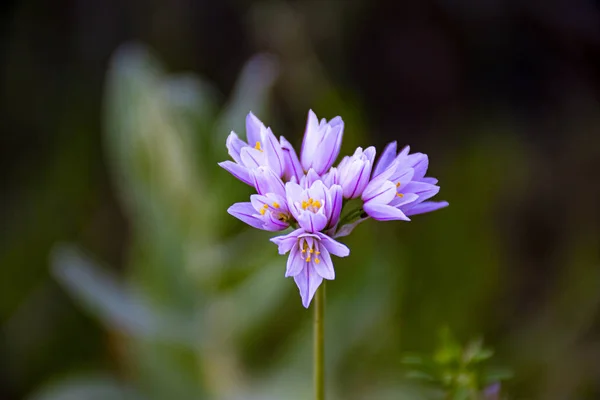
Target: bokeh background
<point>123,277</point>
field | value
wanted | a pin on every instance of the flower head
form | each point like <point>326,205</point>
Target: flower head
<point>309,261</point>
<point>307,193</point>
<point>322,142</point>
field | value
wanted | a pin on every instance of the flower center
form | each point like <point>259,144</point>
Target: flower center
<point>309,251</point>
<point>398,186</point>
<point>311,205</point>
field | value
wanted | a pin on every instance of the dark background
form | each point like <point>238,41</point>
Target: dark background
<point>503,96</point>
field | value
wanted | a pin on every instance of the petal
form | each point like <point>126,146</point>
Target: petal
<point>273,152</point>
<point>382,195</point>
<point>370,153</point>
<point>325,266</point>
<point>431,181</point>
<point>424,190</point>
<point>405,201</point>
<point>334,247</point>
<point>383,212</point>
<point>310,141</point>
<point>311,177</point>
<point>246,213</point>
<point>286,242</point>
<point>331,177</point>
<point>333,208</point>
<point>266,181</point>
<point>307,281</point>
<point>421,166</point>
<point>292,168</point>
<point>240,172</point>
<point>317,190</point>
<point>235,146</point>
<point>293,193</point>
<point>329,149</point>
<point>253,129</point>
<point>312,222</point>
<point>426,207</point>
<point>252,158</point>
<point>295,263</point>
<point>386,158</point>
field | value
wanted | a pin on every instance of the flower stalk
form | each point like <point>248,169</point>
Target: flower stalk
<point>319,343</point>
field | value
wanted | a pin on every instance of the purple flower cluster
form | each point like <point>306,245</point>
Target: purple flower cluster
<point>308,194</point>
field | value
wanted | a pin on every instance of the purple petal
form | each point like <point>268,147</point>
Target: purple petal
<point>334,247</point>
<point>286,242</point>
<point>383,212</point>
<point>431,181</point>
<point>235,146</point>
<point>293,193</point>
<point>381,195</point>
<point>386,158</point>
<point>404,200</point>
<point>426,207</point>
<point>333,207</point>
<point>253,129</point>
<point>295,263</point>
<point>325,266</point>
<point>331,177</point>
<point>238,171</point>
<point>370,154</point>
<point>421,166</point>
<point>312,222</point>
<point>266,181</point>
<point>293,168</point>
<point>246,213</point>
<point>252,158</point>
<point>307,281</point>
<point>328,150</point>
<point>310,141</point>
<point>311,177</point>
<point>273,152</point>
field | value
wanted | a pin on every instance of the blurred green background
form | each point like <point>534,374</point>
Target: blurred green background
<point>123,277</point>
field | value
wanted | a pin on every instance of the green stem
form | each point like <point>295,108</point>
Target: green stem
<point>319,346</point>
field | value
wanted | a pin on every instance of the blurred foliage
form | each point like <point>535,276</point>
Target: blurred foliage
<point>460,372</point>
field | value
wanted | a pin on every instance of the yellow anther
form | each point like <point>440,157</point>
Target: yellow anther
<point>265,206</point>
<point>304,205</point>
<point>317,204</point>
<point>257,146</point>
<point>310,200</point>
<point>398,184</point>
<point>262,211</point>
<point>317,252</point>
<point>275,204</point>
<point>304,250</point>
<point>317,260</point>
<point>308,259</point>
<point>400,195</point>
<point>311,251</point>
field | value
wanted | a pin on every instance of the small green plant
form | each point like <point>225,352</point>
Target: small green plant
<point>461,372</point>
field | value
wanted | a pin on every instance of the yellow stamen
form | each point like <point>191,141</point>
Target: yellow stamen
<point>257,146</point>
<point>265,206</point>
<point>304,250</point>
<point>398,184</point>
<point>304,205</point>
<point>317,260</point>
<point>262,211</point>
<point>400,195</point>
<point>311,251</point>
<point>317,252</point>
<point>275,204</point>
<point>308,259</point>
<point>317,204</point>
